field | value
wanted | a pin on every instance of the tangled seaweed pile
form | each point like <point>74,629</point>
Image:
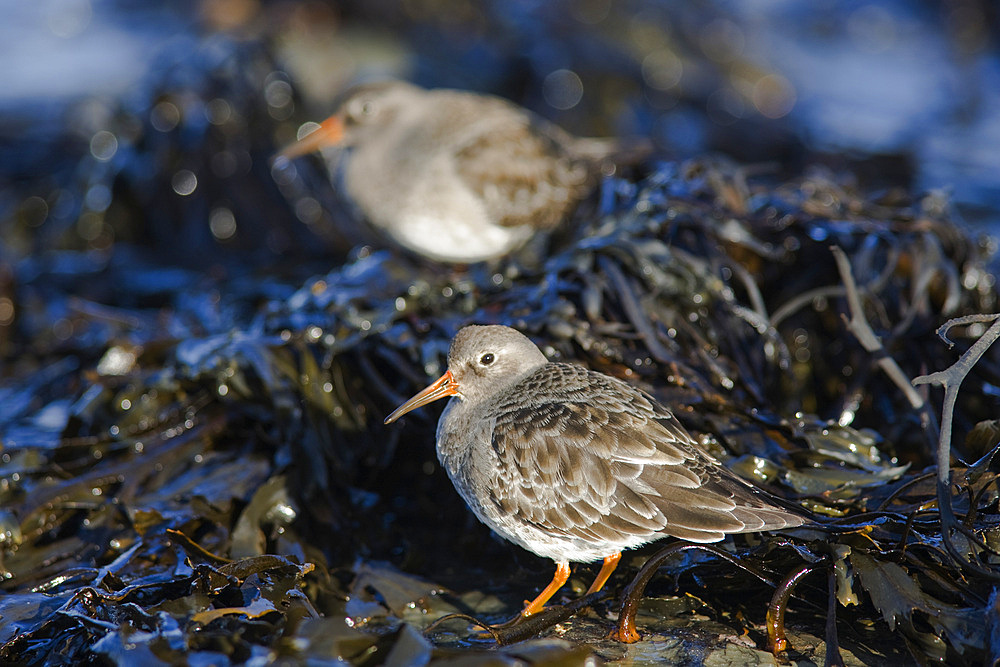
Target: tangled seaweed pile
<point>193,466</point>
<point>143,491</point>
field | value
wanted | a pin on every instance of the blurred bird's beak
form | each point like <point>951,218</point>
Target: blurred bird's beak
<point>329,133</point>
<point>443,386</point>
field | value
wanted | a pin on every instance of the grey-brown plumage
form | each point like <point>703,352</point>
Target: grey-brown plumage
<point>575,465</point>
<point>452,175</point>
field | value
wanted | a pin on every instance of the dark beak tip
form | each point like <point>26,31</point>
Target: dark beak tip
<point>443,386</point>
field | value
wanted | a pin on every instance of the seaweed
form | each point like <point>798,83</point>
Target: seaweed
<point>193,466</point>
<point>251,439</point>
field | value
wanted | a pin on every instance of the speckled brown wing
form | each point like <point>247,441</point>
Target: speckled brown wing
<point>586,456</point>
<point>525,170</point>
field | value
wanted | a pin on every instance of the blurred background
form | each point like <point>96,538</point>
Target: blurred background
<point>152,124</point>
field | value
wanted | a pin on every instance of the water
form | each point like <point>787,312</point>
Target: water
<point>57,50</point>
<point>890,77</point>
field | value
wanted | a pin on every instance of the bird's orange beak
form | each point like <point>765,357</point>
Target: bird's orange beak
<point>329,133</point>
<point>443,386</point>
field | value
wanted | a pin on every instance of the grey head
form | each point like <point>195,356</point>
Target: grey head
<point>363,114</point>
<point>367,109</point>
<point>482,360</point>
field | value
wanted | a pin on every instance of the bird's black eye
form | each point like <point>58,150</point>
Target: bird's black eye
<point>486,359</point>
<point>361,110</point>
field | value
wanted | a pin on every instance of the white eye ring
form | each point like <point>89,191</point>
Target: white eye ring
<point>362,109</point>
<point>487,359</point>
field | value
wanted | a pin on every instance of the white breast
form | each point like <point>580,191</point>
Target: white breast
<point>425,206</point>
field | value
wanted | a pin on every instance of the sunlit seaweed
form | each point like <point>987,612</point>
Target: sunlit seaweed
<point>167,430</point>
<point>668,287</point>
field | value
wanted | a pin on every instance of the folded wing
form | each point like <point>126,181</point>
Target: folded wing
<point>590,457</point>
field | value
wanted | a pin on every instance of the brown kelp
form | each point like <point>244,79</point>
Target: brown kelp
<point>196,355</point>
<point>124,473</point>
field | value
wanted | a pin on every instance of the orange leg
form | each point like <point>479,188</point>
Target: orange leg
<point>610,563</point>
<point>560,577</point>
